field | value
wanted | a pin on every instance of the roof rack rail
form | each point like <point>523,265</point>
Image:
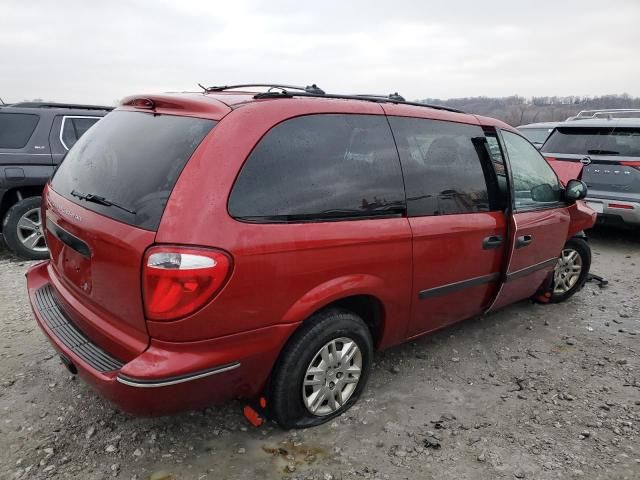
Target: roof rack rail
<point>394,98</point>
<point>309,88</point>
<point>276,90</point>
<point>606,113</point>
<point>60,105</point>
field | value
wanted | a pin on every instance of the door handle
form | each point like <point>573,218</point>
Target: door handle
<point>524,241</point>
<point>494,241</point>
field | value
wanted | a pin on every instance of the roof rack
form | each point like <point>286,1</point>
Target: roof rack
<point>394,98</point>
<point>60,105</point>
<point>288,91</point>
<point>607,113</point>
<point>309,88</point>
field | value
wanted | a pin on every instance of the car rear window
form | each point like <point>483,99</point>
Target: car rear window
<point>321,168</point>
<point>595,141</point>
<point>536,135</point>
<point>16,129</point>
<point>132,160</point>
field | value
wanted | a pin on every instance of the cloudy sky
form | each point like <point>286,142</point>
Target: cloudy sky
<point>100,51</point>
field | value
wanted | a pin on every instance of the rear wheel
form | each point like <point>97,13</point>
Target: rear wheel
<point>572,270</point>
<point>23,231</point>
<point>322,371</point>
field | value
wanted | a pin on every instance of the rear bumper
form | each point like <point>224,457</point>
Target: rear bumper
<point>625,211</point>
<point>167,377</point>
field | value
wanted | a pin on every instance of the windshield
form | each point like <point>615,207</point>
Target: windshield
<point>127,164</point>
<point>595,141</point>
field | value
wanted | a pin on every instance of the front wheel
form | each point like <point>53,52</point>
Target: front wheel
<point>322,371</point>
<point>572,270</point>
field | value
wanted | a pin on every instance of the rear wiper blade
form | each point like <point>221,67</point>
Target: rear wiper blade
<point>90,197</point>
<point>602,152</point>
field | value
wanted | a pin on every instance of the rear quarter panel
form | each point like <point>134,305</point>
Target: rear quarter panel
<point>282,272</point>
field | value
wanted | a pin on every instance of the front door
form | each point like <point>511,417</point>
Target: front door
<point>539,226</point>
<point>457,220</point>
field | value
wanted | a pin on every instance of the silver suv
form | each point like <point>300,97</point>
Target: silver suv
<point>607,143</point>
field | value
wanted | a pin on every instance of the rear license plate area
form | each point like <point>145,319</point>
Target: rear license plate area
<point>596,206</point>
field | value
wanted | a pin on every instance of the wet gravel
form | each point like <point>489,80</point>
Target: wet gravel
<point>534,392</point>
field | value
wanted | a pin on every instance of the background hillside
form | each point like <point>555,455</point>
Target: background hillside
<point>516,110</point>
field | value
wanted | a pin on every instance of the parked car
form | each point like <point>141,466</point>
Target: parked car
<point>33,139</point>
<point>607,113</point>
<point>238,244</point>
<point>609,150</point>
<point>537,133</point>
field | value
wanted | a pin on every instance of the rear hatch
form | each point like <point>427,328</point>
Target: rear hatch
<point>610,155</point>
<point>104,205</point>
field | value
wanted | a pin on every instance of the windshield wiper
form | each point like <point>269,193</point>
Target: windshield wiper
<point>90,197</point>
<point>602,152</point>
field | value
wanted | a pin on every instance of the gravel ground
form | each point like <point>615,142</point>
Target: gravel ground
<point>530,392</point>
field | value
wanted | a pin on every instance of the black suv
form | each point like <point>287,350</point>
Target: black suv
<point>34,137</point>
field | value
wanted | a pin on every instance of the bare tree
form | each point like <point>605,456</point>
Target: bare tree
<point>516,110</point>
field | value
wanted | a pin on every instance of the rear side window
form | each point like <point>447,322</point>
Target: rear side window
<point>442,168</point>
<point>595,141</point>
<point>73,128</point>
<point>321,167</point>
<point>133,160</point>
<point>16,129</point>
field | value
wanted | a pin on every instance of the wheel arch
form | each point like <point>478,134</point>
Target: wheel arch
<point>360,294</point>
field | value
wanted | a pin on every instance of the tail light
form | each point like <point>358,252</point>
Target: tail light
<point>178,281</point>
<point>632,163</point>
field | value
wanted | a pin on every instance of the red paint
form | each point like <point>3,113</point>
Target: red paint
<point>278,274</point>
<point>448,249</point>
<point>548,231</point>
<point>565,170</point>
<point>583,217</point>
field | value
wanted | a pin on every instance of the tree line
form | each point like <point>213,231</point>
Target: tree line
<point>517,110</point>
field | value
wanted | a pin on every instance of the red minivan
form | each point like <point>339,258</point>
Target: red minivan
<point>261,245</point>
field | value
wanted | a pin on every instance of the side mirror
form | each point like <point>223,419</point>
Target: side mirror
<point>576,190</point>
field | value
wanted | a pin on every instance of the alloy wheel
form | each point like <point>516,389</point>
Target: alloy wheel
<point>332,376</point>
<point>567,271</point>
<point>29,231</point>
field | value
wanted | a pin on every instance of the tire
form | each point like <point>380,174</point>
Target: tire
<point>582,251</point>
<point>22,228</point>
<point>287,394</point>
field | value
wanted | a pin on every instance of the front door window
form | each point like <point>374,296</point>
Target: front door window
<point>535,184</point>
